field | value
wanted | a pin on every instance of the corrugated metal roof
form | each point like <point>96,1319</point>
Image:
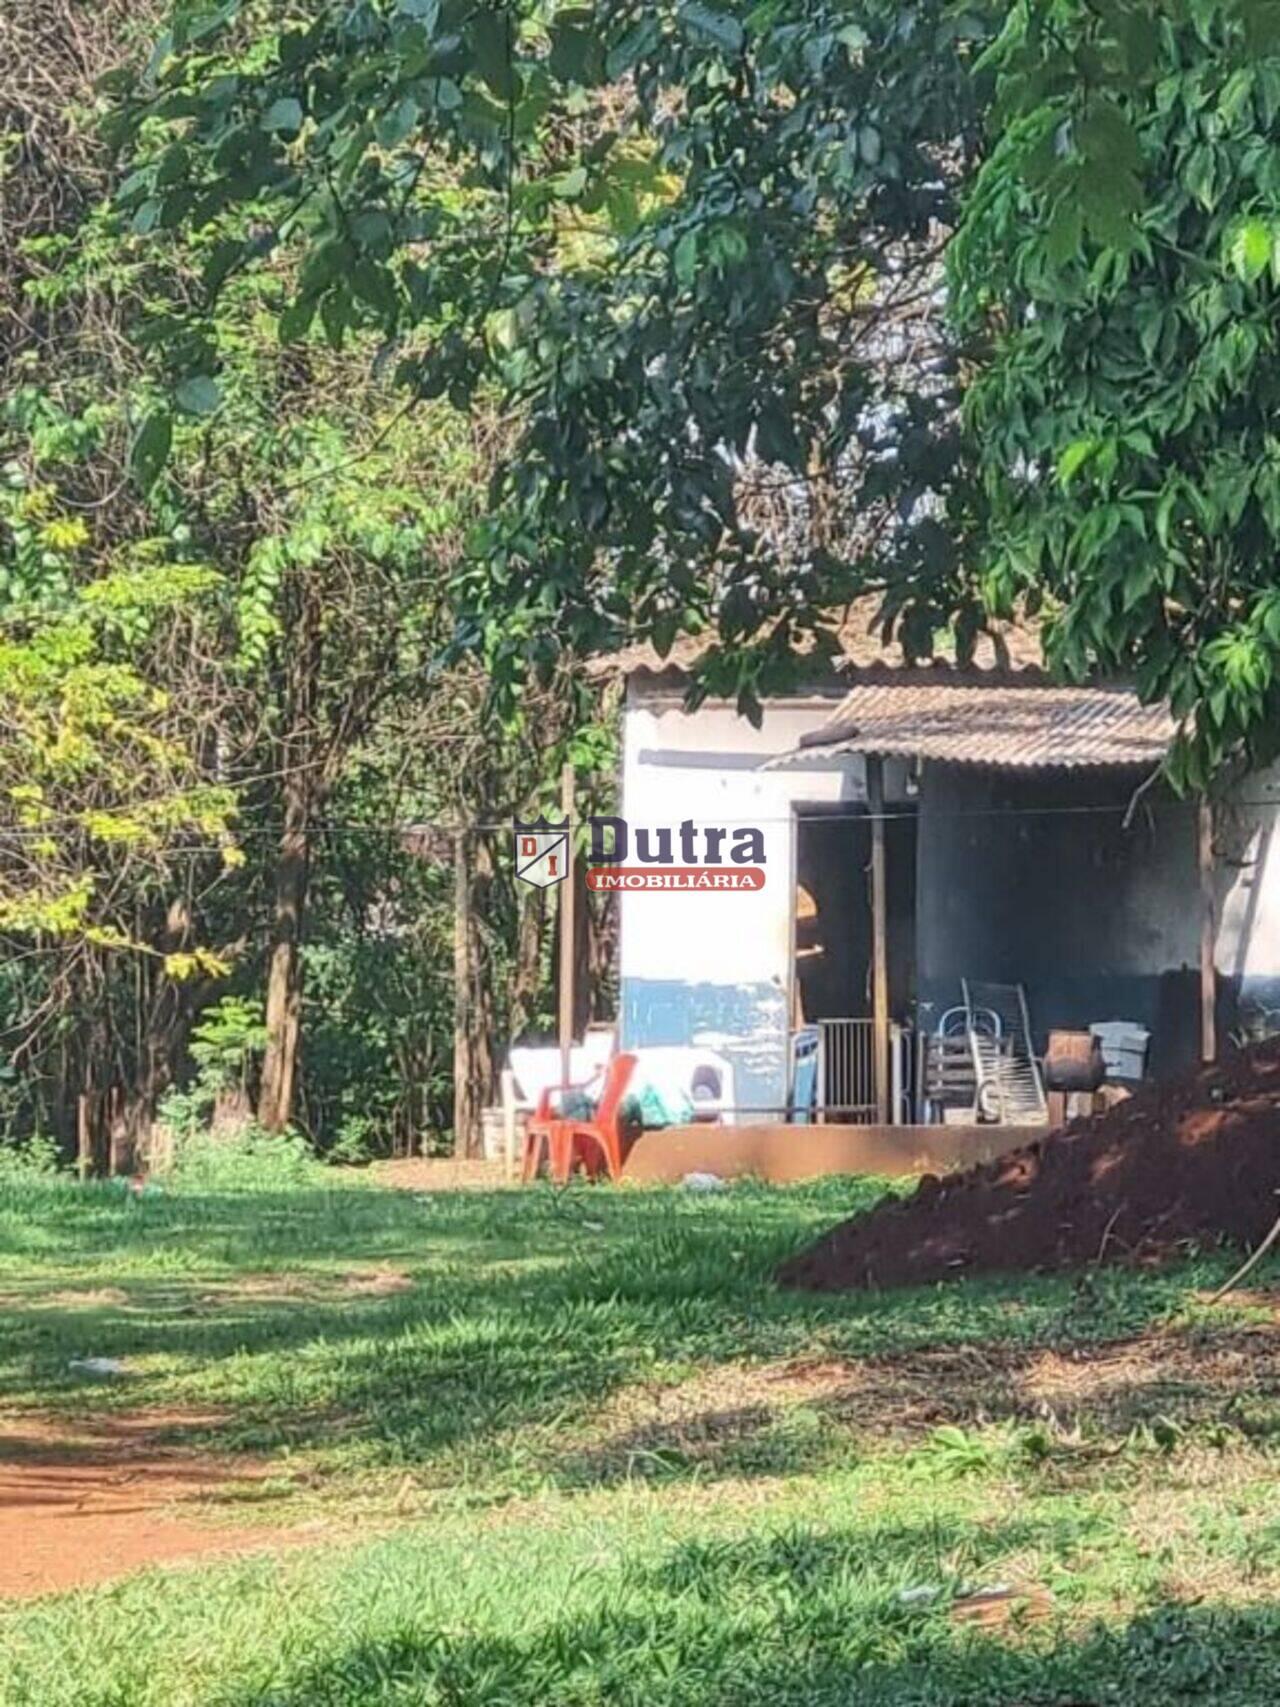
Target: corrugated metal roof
<point>1011,727</point>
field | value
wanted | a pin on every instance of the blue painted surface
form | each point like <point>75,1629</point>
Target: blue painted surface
<point>804,1075</point>
<point>747,1023</point>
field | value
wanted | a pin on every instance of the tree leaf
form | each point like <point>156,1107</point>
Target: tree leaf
<point>1074,457</point>
<point>284,114</point>
<point>198,394</point>
<point>716,26</point>
<point>393,127</point>
<point>639,41</point>
<point>1200,175</point>
<point>663,630</point>
<point>147,217</point>
<point>1066,228</point>
<point>296,320</point>
<point>1249,249</point>
<point>568,186</point>
<point>492,44</point>
<point>375,285</point>
<point>776,438</point>
<point>151,448</point>
<point>685,260</point>
<point>227,255</point>
<point>334,317</point>
<point>576,49</point>
<point>1106,137</point>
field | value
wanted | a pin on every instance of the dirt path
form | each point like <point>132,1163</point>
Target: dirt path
<point>441,1173</point>
<point>81,1506</point>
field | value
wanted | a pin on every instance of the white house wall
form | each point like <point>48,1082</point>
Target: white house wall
<point>1097,923</point>
<point>715,969</point>
<point>1247,858</point>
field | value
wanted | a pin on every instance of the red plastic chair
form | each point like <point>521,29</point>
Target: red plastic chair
<point>599,1143</point>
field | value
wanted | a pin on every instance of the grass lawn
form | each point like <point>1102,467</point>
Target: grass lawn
<point>577,1449</point>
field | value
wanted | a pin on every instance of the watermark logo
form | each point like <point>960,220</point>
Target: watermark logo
<point>623,858</point>
<point>542,852</point>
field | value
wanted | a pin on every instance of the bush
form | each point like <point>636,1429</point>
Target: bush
<point>33,1159</point>
<point>249,1160</point>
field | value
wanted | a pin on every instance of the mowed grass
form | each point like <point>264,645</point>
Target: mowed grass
<point>577,1448</point>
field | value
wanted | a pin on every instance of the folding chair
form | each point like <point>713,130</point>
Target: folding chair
<point>1010,1087</point>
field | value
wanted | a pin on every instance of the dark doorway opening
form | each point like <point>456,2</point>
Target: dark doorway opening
<point>833,922</point>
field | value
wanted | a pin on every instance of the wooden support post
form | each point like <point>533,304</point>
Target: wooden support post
<point>879,935</point>
<point>1208,937</point>
<point>567,956</point>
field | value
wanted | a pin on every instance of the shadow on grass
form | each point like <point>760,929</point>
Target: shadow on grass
<point>820,1614</point>
<point>1073,1410</point>
<point>526,1311</point>
<point>790,1623</point>
<point>866,1567</point>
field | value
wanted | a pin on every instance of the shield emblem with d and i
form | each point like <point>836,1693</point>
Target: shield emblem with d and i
<point>542,852</point>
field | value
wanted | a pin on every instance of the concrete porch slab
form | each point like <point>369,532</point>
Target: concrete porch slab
<point>782,1154</point>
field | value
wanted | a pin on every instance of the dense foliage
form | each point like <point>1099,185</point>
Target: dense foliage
<point>1121,251</point>
<point>221,620</point>
<point>366,364</point>
<point>694,246</point>
<point>699,244</point>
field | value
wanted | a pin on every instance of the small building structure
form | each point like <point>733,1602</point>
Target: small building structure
<point>923,825</point>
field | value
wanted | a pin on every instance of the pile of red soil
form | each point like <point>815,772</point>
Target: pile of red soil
<point>1193,1162</point>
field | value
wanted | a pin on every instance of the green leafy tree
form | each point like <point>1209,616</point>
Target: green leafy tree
<point>1120,256</point>
<point>682,240</point>
<point>260,730</point>
<point>154,701</point>
<point>112,823</point>
<point>98,777</point>
<point>694,247</point>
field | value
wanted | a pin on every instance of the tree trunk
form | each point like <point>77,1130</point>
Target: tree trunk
<point>95,1067</point>
<point>167,1010</point>
<point>474,1018</point>
<point>466,1114</point>
<point>302,789</point>
<point>601,977</point>
<point>284,970</point>
<point>527,973</point>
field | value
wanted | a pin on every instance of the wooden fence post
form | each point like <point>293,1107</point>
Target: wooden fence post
<point>1208,937</point>
<point>568,958</point>
<point>879,935</point>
